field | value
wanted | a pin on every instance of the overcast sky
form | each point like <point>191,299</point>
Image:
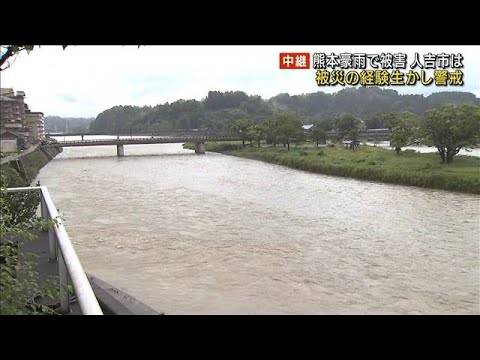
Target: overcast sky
<point>82,81</point>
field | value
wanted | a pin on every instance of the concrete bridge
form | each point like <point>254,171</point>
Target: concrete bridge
<point>198,139</point>
<point>176,133</point>
<point>370,133</point>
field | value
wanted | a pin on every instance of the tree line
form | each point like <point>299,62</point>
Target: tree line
<point>446,120</point>
<point>219,110</point>
<point>448,128</point>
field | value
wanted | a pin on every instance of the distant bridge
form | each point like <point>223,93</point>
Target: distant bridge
<point>139,133</point>
<point>362,132</point>
<point>367,134</point>
<point>72,134</point>
<point>197,138</point>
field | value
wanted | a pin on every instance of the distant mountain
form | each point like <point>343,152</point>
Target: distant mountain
<point>365,102</point>
<point>219,109</point>
<point>66,125</point>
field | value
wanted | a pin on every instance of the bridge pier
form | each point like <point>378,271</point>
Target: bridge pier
<point>199,148</point>
<point>120,151</point>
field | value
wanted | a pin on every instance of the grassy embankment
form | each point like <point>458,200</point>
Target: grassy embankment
<point>368,163</point>
<point>28,166</point>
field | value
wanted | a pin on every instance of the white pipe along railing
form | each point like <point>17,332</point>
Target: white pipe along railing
<point>69,265</point>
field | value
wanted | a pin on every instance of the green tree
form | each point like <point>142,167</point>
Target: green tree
<point>240,127</point>
<point>318,135</point>
<point>256,132</point>
<point>353,137</point>
<point>376,121</point>
<point>451,128</point>
<point>299,137</point>
<point>289,128</point>
<point>327,123</point>
<point>403,126</point>
<point>269,129</point>
<point>345,124</point>
<point>20,286</point>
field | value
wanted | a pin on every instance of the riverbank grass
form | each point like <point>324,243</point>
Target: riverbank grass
<point>368,163</point>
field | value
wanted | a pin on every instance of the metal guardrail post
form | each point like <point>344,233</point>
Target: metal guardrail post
<point>52,244</point>
<point>43,208</point>
<point>64,296</point>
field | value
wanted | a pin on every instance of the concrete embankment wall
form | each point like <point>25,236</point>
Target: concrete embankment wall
<point>29,163</point>
<point>114,301</point>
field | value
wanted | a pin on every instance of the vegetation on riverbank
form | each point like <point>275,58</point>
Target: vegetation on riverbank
<point>367,163</point>
<point>20,285</point>
<point>28,165</point>
<point>449,129</point>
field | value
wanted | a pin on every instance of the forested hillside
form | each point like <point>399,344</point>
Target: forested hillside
<point>66,125</point>
<point>220,109</point>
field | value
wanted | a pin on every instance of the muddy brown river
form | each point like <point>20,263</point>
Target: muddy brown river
<point>213,234</point>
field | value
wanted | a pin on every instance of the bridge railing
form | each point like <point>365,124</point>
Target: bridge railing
<point>61,250</point>
<point>178,133</point>
<point>126,140</point>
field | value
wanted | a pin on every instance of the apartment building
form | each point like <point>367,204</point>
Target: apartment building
<point>12,110</point>
<point>36,126</point>
<point>16,118</point>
